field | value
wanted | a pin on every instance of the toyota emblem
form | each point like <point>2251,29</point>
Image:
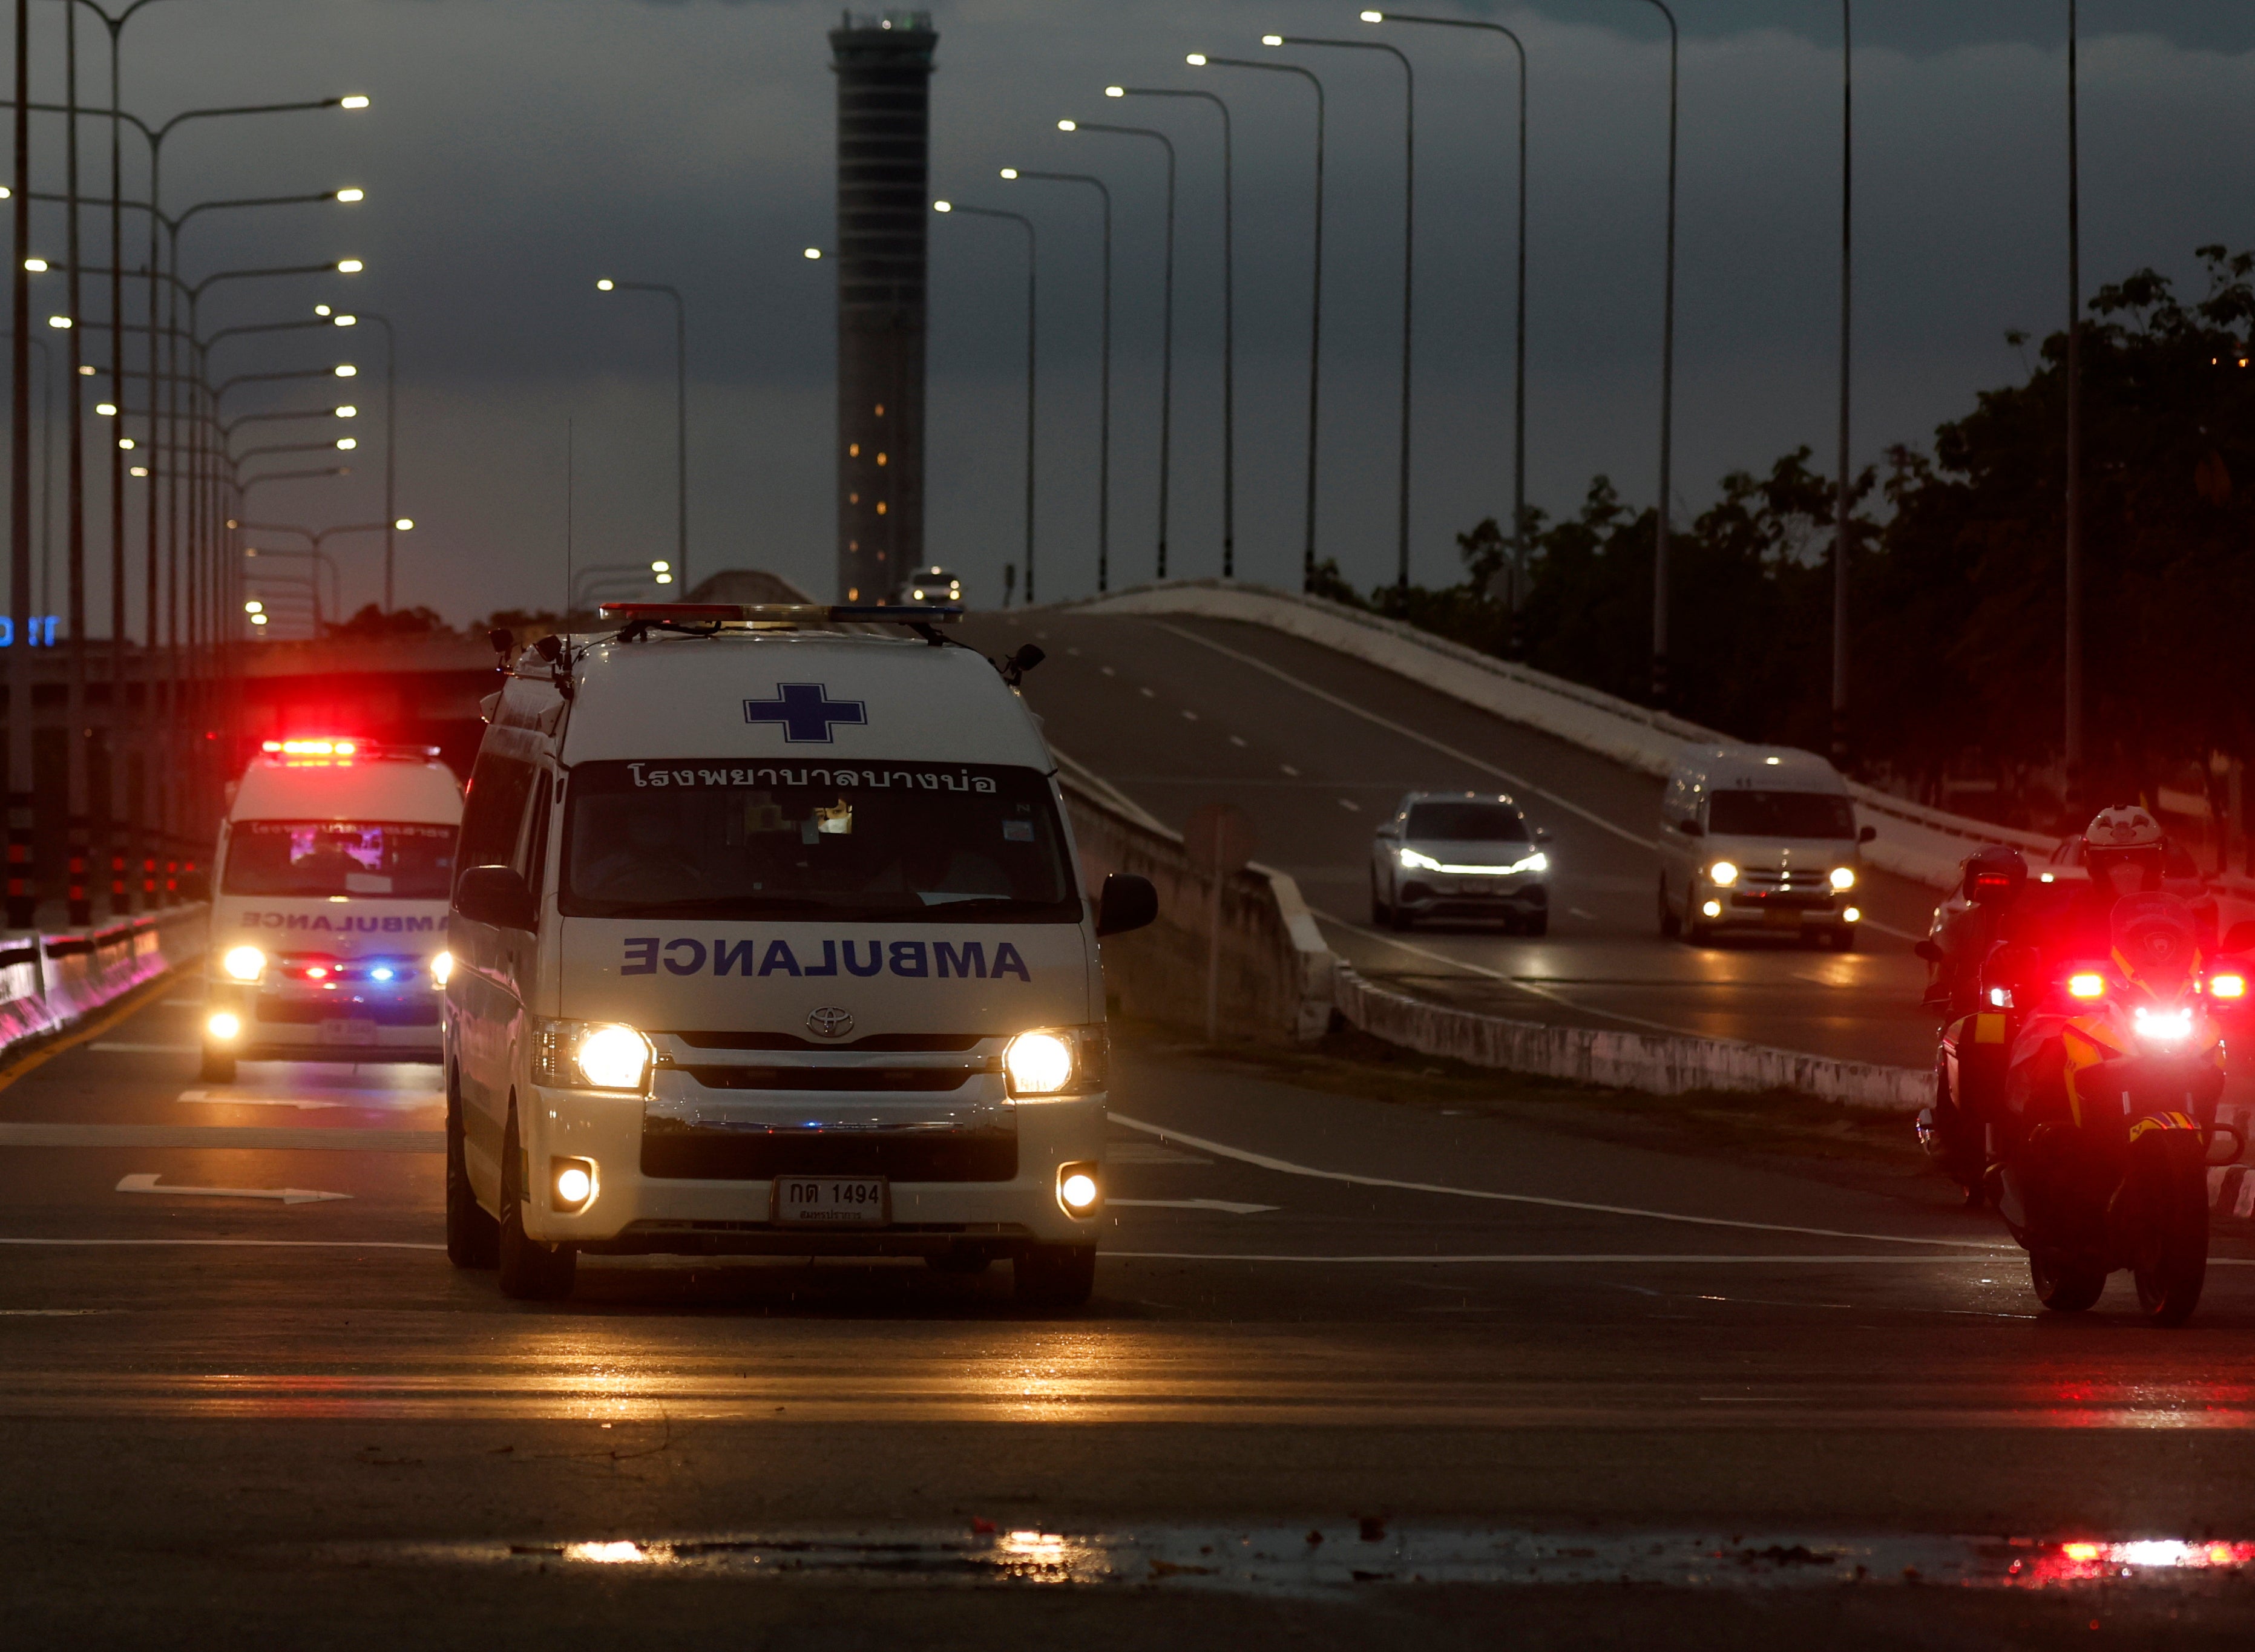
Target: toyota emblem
<point>830,1023</point>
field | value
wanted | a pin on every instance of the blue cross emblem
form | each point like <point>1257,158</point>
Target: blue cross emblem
<point>806,711</point>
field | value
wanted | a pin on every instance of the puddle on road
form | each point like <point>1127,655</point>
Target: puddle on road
<point>1328,1560</point>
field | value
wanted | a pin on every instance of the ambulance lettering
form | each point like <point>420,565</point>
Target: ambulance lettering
<point>388,924</point>
<point>915,960</point>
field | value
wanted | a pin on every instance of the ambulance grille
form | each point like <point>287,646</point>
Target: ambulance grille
<point>895,1042</point>
<point>879,1080</point>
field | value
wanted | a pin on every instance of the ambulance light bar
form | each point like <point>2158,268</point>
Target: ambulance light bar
<point>788,613</point>
<point>324,748</point>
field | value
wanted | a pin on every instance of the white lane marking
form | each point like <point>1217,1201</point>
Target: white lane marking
<point>1237,740</point>
<point>146,1183</point>
<point>110,1049</point>
<point>1190,716</point>
<point>1148,694</point>
<point>257,1138</point>
<point>243,1244</point>
<point>1350,805</point>
<point>1552,1256</point>
<point>1576,912</point>
<point>1234,1207</point>
<point>1407,732</point>
<point>1131,1152</point>
<point>54,1313</point>
<point>1868,922</point>
<point>1469,967</point>
<point>1288,769</point>
<point>1265,1162</point>
<point>1108,671</point>
<point>392,1101</point>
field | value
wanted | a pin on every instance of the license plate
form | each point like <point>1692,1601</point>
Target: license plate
<point>829,1201</point>
<point>340,1030</point>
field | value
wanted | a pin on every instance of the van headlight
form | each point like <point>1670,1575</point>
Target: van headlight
<point>1722,874</point>
<point>1055,1061</point>
<point>442,969</point>
<point>243,963</point>
<point>1843,878</point>
<point>590,1055</point>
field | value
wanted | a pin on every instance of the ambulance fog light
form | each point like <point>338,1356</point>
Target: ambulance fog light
<point>1854,914</point>
<point>243,963</point>
<point>223,1027</point>
<point>1078,1189</point>
<point>571,1184</point>
<point>1038,1063</point>
<point>1711,908</point>
<point>613,1058</point>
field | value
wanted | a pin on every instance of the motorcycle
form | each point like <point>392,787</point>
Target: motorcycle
<point>2095,1085</point>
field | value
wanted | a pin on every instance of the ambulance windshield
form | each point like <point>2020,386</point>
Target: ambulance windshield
<point>319,859</point>
<point>906,842</point>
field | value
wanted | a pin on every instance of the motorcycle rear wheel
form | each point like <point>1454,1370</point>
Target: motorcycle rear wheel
<point>2062,1285</point>
<point>2172,1261</point>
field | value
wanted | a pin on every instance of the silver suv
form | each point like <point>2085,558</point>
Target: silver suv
<point>1462,855</point>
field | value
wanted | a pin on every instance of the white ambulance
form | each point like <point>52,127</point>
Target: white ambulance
<point>329,906</point>
<point>770,939</point>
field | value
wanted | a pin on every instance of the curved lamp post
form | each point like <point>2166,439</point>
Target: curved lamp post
<point>1032,317</point>
<point>1104,417</point>
<point>680,413</point>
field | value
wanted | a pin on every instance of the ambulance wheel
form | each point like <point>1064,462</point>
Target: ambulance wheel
<point>2062,1285</point>
<point>218,1065</point>
<point>473,1237</point>
<point>1054,1275</point>
<point>529,1270</point>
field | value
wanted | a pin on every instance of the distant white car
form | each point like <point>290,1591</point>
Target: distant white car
<point>930,585</point>
<point>1463,854</point>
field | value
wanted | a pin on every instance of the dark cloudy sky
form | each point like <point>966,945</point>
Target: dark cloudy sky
<point>519,149</point>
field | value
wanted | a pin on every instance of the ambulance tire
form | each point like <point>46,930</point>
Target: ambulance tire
<point>218,1065</point>
<point>1053,1276</point>
<point>473,1237</point>
<point>529,1270</point>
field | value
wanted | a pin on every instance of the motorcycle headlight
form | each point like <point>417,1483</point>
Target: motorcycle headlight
<point>243,963</point>
<point>2163,1026</point>
<point>1053,1061</point>
<point>1843,878</point>
<point>1722,874</point>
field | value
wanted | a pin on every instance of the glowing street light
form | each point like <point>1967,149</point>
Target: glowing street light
<point>357,101</point>
<point>346,369</point>
<point>349,411</point>
<point>813,252</point>
<point>348,196</point>
<point>349,266</point>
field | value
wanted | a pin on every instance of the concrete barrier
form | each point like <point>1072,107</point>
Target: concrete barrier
<point>1654,1064</point>
<point>51,982</point>
<point>1913,841</point>
<point>1276,970</point>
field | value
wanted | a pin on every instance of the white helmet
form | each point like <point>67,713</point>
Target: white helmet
<point>2123,827</point>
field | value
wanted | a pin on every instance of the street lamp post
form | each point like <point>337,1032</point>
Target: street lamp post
<point>1409,264</point>
<point>1104,394</point>
<point>1167,325</point>
<point>1199,60</point>
<point>1228,316</point>
<point>2072,675</point>
<point>1519,347</point>
<point>23,895</point>
<point>1841,499</point>
<point>680,414</point>
<point>1032,316</point>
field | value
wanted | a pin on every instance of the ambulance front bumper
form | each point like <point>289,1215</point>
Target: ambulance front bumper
<point>996,1188</point>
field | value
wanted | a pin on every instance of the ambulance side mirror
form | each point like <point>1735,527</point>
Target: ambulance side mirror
<point>1868,835</point>
<point>496,895</point>
<point>1127,902</point>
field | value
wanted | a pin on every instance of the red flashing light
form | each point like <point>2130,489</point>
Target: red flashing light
<point>317,747</point>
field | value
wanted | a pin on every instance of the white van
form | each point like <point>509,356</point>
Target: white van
<point>769,940</point>
<point>1759,839</point>
<point>329,906</point>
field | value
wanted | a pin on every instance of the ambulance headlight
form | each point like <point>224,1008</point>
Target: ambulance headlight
<point>1055,1061</point>
<point>224,1027</point>
<point>1843,878</point>
<point>442,968</point>
<point>243,963</point>
<point>613,1057</point>
<point>1038,1063</point>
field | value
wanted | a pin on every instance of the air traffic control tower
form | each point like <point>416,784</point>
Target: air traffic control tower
<point>883,66</point>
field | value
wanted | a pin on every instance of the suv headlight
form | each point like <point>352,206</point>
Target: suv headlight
<point>1416,863</point>
<point>590,1055</point>
<point>1055,1061</point>
<point>243,963</point>
<point>1722,874</point>
<point>1843,878</point>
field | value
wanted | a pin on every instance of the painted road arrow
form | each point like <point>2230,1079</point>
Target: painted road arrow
<point>146,1183</point>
